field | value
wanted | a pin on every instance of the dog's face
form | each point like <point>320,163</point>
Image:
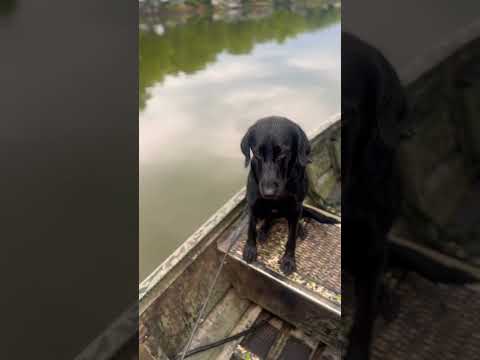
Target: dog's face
<point>277,145</point>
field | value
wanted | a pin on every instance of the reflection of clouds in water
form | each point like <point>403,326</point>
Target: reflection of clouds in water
<point>209,111</point>
<point>229,68</point>
<point>162,128</point>
<point>257,94</point>
<point>234,68</point>
<point>310,62</point>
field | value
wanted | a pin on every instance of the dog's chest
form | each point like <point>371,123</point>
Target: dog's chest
<point>271,208</point>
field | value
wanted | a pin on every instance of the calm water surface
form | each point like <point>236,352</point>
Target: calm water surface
<point>202,84</point>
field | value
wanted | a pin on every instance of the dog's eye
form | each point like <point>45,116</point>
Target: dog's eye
<point>256,155</point>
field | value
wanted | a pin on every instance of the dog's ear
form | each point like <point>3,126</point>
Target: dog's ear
<point>303,148</point>
<point>246,144</point>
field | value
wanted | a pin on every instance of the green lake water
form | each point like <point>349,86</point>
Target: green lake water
<point>203,81</point>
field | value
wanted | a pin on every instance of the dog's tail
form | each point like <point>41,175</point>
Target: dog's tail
<point>434,268</point>
<point>320,216</point>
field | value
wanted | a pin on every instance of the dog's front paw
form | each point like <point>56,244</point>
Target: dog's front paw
<point>357,350</point>
<point>287,264</point>
<point>262,236</point>
<point>249,253</point>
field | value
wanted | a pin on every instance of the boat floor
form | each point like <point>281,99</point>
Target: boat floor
<point>431,321</point>
<point>276,340</point>
<point>309,298</point>
<point>318,258</point>
<point>279,340</point>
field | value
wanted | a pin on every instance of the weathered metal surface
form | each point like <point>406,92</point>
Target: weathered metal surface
<point>309,298</point>
<point>247,320</point>
<point>170,318</point>
<point>220,323</point>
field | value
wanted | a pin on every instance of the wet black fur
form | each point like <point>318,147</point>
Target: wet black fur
<point>373,108</point>
<point>281,153</point>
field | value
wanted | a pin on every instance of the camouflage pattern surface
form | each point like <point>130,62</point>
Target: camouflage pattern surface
<point>440,164</point>
<point>324,173</point>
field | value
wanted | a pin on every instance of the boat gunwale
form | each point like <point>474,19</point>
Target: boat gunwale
<point>439,52</point>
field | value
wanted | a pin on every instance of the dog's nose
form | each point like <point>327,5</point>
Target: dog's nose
<point>270,190</point>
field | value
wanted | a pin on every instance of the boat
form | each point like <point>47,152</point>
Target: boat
<point>438,222</point>
<point>300,313</point>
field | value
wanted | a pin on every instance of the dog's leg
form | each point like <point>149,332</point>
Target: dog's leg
<point>389,305</point>
<point>287,263</point>
<point>302,230</point>
<point>250,249</point>
<point>367,291</point>
<point>264,229</point>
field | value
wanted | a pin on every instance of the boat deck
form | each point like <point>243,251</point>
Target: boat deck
<point>318,258</point>
<point>431,321</point>
<point>310,298</point>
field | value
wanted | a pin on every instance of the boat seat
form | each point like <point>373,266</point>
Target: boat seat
<point>310,298</point>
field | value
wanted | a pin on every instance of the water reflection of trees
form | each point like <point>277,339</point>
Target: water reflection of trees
<point>188,48</point>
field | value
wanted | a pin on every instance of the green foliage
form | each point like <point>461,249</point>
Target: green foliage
<point>191,47</point>
<point>197,2</point>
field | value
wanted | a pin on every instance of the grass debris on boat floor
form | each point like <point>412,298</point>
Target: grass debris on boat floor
<point>318,258</point>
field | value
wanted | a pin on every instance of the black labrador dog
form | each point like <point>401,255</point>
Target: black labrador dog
<point>277,183</point>
<point>373,113</point>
